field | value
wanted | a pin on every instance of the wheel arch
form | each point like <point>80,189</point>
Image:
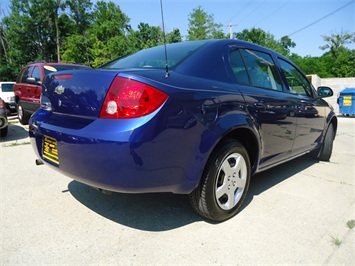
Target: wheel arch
<point>248,138</point>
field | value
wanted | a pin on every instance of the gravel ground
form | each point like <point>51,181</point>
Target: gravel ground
<point>296,213</point>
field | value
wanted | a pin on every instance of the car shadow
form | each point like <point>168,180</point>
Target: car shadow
<point>166,211</point>
<point>263,181</point>
<point>148,212</point>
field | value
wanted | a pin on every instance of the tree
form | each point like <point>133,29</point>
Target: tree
<point>174,36</point>
<point>80,14</point>
<point>259,36</point>
<point>109,26</point>
<point>337,41</point>
<point>202,26</point>
<point>342,59</point>
<point>148,36</point>
<point>287,43</point>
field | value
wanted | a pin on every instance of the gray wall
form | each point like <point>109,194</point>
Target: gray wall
<point>337,85</point>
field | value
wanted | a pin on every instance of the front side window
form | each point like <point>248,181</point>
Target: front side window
<point>297,83</point>
<point>26,74</point>
<point>36,73</point>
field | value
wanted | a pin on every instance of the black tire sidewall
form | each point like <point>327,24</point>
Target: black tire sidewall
<point>327,147</point>
<point>222,153</point>
<point>25,117</point>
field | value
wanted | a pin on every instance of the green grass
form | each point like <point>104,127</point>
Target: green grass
<point>351,224</point>
<point>13,144</point>
<point>336,241</point>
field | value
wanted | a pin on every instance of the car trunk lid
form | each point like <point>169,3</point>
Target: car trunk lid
<point>78,93</point>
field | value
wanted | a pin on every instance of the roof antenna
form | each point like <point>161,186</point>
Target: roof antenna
<point>166,54</point>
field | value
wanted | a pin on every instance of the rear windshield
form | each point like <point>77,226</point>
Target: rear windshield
<point>155,57</point>
<point>7,87</point>
<point>54,68</point>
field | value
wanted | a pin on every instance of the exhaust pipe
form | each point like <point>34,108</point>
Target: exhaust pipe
<point>39,162</point>
<point>103,191</point>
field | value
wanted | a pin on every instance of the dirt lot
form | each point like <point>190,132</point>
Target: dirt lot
<point>297,213</point>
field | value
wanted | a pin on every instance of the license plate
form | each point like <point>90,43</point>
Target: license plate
<point>49,150</point>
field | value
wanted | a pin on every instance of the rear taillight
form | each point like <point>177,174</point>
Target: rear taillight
<point>2,104</point>
<point>128,98</point>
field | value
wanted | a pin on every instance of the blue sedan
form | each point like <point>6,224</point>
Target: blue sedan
<point>197,118</point>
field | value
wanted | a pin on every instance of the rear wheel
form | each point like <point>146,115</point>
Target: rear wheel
<point>23,116</point>
<point>224,183</point>
<point>325,152</point>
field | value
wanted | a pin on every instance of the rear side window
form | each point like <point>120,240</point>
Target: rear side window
<point>261,69</point>
<point>297,83</point>
<point>255,68</point>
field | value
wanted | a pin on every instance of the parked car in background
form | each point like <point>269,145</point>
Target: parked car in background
<point>7,94</point>
<point>3,119</point>
<point>28,85</point>
<point>199,118</point>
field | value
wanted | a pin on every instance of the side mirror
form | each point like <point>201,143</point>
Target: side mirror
<point>34,81</point>
<point>324,92</point>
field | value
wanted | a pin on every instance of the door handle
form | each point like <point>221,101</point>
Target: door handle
<point>259,105</point>
<point>28,89</point>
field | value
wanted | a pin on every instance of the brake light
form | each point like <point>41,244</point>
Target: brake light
<point>128,98</point>
<point>2,104</point>
<point>63,76</point>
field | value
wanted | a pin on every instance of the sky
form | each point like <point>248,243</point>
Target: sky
<point>304,21</point>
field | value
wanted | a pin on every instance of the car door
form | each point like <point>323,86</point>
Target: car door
<point>28,101</point>
<point>35,89</point>
<point>21,89</point>
<point>267,102</point>
<point>309,111</point>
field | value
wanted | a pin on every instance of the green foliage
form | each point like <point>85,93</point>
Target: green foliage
<point>343,59</point>
<point>202,26</point>
<point>259,36</point>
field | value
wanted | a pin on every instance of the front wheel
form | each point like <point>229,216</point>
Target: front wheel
<point>325,152</point>
<point>224,183</point>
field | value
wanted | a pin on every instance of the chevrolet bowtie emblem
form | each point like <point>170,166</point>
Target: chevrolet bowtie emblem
<point>59,89</point>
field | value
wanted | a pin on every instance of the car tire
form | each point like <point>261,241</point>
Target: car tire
<point>22,115</point>
<point>3,132</point>
<point>224,183</point>
<point>325,152</point>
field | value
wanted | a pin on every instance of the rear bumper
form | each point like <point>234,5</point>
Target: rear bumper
<point>134,157</point>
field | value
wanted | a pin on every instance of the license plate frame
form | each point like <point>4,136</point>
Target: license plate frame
<point>50,150</point>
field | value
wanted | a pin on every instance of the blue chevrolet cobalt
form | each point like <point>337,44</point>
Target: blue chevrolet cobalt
<point>196,118</point>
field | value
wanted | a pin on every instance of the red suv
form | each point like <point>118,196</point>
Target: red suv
<point>28,86</point>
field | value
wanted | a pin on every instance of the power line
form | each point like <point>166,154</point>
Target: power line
<point>324,17</point>
<point>252,11</point>
<point>241,10</point>
<point>272,13</point>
